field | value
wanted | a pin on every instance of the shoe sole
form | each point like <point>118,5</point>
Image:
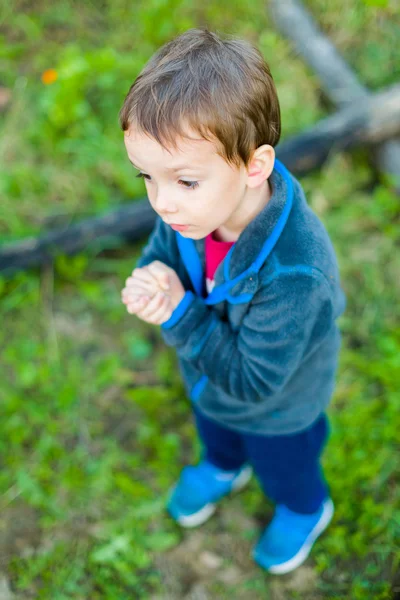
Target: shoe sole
<point>305,550</point>
<point>202,515</point>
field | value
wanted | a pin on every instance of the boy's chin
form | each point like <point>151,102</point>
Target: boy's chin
<point>193,233</point>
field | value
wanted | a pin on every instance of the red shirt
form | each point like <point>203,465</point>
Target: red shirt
<point>215,252</point>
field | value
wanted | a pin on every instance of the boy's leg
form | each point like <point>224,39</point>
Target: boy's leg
<point>221,470</point>
<point>290,473</point>
<point>288,466</point>
<point>222,447</point>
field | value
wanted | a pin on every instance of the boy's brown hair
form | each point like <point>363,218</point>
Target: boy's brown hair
<point>218,87</point>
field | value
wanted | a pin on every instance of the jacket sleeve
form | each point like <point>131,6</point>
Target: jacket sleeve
<point>286,320</point>
<point>161,246</point>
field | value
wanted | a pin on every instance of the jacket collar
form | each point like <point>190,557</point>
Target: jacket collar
<point>253,246</point>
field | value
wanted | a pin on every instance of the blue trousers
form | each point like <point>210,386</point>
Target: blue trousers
<point>287,466</point>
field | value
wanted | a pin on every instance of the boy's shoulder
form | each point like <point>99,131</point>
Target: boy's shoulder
<point>305,242</point>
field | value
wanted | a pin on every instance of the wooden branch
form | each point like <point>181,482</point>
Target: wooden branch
<point>133,220</point>
<point>338,81</point>
<point>369,121</point>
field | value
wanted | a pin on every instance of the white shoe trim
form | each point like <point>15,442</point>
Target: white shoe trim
<point>242,479</point>
<point>304,551</point>
<point>197,518</point>
<point>205,513</point>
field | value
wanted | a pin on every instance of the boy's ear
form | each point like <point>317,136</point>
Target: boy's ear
<point>261,165</point>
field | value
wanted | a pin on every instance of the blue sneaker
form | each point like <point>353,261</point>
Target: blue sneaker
<point>288,539</point>
<point>192,499</point>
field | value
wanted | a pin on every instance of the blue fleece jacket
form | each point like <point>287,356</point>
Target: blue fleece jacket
<point>259,353</point>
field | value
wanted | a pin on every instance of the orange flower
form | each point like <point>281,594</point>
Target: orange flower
<point>49,76</point>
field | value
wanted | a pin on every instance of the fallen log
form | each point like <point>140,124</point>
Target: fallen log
<point>370,121</point>
<point>338,81</point>
<point>134,219</point>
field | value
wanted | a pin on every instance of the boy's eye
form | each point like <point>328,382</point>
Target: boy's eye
<point>190,185</point>
<point>142,175</point>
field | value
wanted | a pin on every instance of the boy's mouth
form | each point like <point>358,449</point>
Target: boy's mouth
<point>179,227</point>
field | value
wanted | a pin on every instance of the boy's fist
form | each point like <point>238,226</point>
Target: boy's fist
<point>153,292</point>
<point>155,310</point>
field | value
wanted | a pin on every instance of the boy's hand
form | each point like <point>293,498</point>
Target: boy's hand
<point>153,292</point>
<point>157,277</point>
<point>155,310</point>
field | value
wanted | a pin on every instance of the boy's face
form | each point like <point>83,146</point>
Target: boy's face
<point>204,192</point>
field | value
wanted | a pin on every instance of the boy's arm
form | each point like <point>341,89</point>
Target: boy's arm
<point>161,246</point>
<point>286,318</point>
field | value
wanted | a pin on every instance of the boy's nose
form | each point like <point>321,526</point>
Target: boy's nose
<point>164,205</point>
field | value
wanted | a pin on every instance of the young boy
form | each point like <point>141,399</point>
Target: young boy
<point>242,277</point>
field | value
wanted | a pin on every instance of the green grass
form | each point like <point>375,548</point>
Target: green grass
<point>95,423</point>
